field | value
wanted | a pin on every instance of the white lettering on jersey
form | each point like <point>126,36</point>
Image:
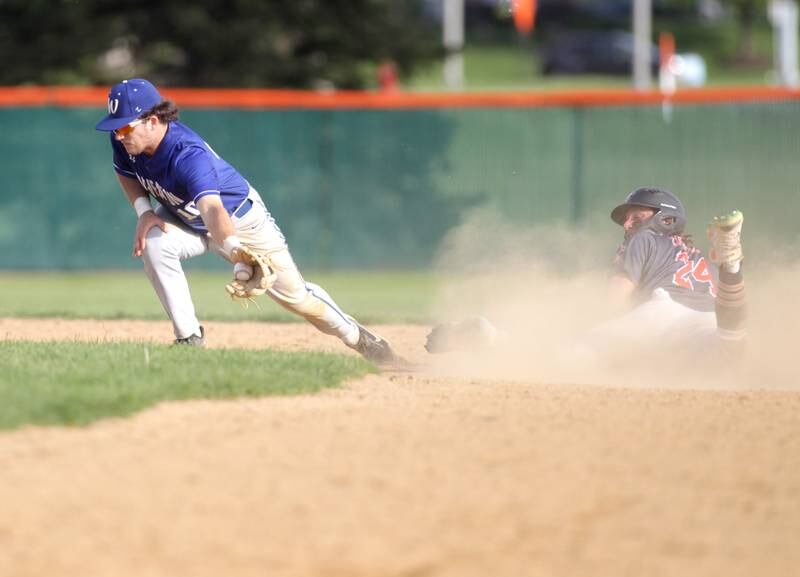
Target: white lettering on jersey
<point>159,191</point>
<point>189,212</point>
<point>113,105</point>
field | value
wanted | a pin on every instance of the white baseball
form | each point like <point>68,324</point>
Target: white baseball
<point>242,271</point>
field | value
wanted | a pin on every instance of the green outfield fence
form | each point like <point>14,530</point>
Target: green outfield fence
<point>367,181</point>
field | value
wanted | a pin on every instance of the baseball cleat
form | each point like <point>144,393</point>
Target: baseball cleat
<point>725,234</point>
<point>374,348</point>
<point>193,340</point>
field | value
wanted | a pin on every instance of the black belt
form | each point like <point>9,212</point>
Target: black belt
<point>244,208</point>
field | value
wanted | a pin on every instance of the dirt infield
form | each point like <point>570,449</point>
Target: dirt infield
<point>406,474</point>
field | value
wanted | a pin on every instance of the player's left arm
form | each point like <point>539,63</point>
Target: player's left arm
<point>196,170</point>
<point>217,220</point>
<point>253,273</point>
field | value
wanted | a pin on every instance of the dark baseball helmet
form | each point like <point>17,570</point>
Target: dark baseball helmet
<point>664,202</point>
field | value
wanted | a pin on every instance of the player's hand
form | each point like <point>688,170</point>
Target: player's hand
<point>147,221</point>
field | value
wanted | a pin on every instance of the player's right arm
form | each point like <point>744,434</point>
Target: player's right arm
<point>147,220</point>
<point>621,288</point>
<point>629,267</point>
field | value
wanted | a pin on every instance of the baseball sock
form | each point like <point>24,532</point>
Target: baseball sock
<point>730,305</point>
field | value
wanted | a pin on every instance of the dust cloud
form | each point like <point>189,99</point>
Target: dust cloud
<point>546,288</point>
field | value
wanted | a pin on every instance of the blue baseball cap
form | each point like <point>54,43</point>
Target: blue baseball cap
<point>127,101</point>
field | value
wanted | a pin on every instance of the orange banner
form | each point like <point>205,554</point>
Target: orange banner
<point>70,96</point>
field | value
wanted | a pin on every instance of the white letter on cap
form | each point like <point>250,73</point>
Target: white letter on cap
<point>113,104</point>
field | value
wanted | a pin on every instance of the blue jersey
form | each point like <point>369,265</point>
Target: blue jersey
<point>183,170</point>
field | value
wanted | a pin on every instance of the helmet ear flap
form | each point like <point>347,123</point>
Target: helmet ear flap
<point>668,222</point>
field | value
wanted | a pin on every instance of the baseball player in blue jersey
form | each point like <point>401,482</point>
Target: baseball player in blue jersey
<point>678,298</point>
<point>202,203</point>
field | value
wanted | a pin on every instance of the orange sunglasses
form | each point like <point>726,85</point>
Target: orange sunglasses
<point>128,128</point>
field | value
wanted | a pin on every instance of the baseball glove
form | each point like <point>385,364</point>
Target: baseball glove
<point>473,334</point>
<point>263,277</point>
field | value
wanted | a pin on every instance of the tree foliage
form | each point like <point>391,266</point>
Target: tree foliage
<point>270,43</point>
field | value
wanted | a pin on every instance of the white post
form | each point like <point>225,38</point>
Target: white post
<point>453,37</point>
<point>783,16</point>
<point>642,31</point>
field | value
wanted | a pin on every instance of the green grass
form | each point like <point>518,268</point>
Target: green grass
<point>78,383</point>
<point>371,297</point>
<point>515,66</point>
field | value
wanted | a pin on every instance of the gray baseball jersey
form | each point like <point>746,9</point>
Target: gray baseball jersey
<point>652,260</point>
